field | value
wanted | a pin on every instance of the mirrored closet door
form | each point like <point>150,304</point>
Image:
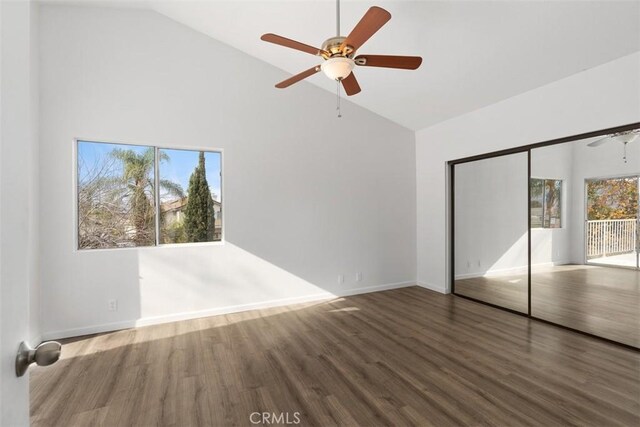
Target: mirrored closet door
<point>552,231</point>
<point>584,237</point>
<point>490,217</point>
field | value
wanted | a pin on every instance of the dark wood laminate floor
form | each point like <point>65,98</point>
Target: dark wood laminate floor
<point>403,357</point>
<point>603,301</point>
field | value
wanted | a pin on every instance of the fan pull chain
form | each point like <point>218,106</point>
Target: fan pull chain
<point>338,99</point>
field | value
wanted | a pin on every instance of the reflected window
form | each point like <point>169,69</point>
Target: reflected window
<point>546,203</point>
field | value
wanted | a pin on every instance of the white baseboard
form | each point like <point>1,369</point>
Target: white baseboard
<point>376,288</point>
<point>88,330</point>
<point>156,320</point>
<point>432,287</point>
<point>503,271</point>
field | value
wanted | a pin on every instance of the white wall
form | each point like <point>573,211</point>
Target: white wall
<point>306,196</point>
<point>602,97</point>
<point>18,203</point>
<point>487,242</point>
<point>491,215</point>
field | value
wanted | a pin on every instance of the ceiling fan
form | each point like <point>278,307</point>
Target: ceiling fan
<point>339,52</point>
<point>623,137</point>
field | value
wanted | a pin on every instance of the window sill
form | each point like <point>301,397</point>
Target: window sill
<point>165,245</point>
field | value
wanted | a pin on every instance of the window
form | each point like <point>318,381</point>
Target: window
<point>546,203</point>
<point>194,215</point>
<point>131,195</point>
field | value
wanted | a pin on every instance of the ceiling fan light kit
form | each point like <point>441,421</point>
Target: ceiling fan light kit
<point>338,68</point>
<point>339,53</point>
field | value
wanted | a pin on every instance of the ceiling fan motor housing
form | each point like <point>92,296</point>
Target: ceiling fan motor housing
<point>333,47</point>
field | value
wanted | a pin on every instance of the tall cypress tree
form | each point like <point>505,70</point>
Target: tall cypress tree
<point>199,221</point>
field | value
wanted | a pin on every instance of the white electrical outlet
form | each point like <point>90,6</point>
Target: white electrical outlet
<point>113,305</point>
<point>340,279</point>
<point>358,277</point>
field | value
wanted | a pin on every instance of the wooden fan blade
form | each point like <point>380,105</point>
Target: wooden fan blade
<point>298,77</point>
<point>370,23</point>
<point>350,84</point>
<point>389,61</point>
<point>599,142</point>
<point>283,41</point>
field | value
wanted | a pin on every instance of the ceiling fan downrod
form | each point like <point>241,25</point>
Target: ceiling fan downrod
<point>337,18</point>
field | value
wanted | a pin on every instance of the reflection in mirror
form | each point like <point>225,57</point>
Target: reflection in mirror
<point>490,231</point>
<point>584,236</point>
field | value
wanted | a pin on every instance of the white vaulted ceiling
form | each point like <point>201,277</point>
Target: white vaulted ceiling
<point>474,53</point>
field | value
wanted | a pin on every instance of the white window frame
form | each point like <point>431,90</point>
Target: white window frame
<point>156,146</point>
<point>562,205</point>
